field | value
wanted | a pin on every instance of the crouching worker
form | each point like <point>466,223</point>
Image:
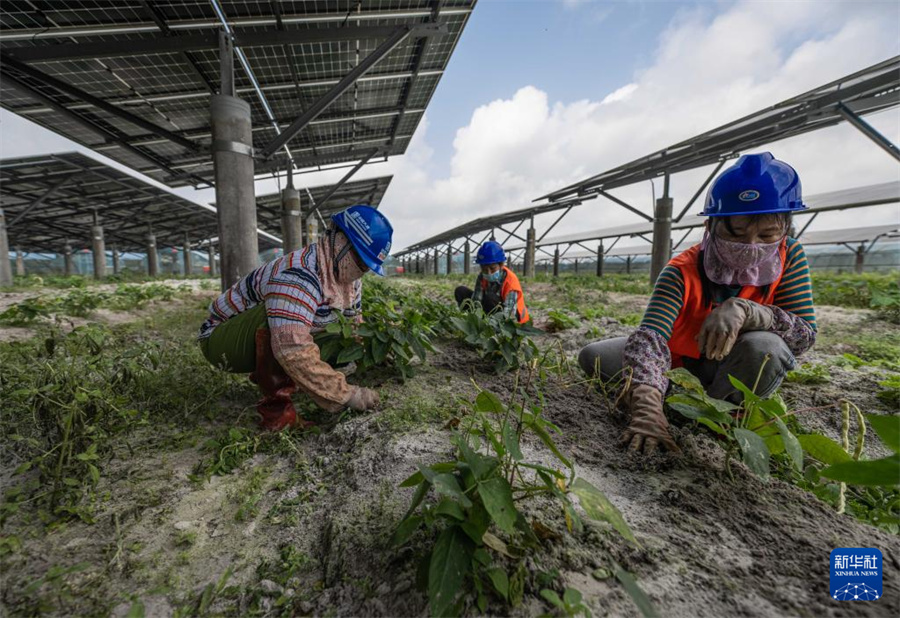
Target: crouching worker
<point>721,307</point>
<point>264,323</point>
<point>496,285</point>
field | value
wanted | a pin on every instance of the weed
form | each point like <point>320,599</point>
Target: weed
<point>890,393</point>
<point>499,340</point>
<point>559,321</point>
<point>571,603</point>
<point>809,374</point>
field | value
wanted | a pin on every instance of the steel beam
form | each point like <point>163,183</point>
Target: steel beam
<point>40,200</point>
<point>399,34</point>
<point>699,191</point>
<point>869,131</point>
<point>347,176</point>
<point>626,205</point>
<point>558,219</point>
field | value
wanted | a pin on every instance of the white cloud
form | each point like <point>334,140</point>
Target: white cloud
<point>708,69</point>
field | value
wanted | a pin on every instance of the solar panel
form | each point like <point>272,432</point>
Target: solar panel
<point>132,79</point>
<point>51,199</point>
<point>370,191</point>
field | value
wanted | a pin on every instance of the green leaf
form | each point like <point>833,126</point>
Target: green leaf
<point>755,452</point>
<point>413,480</point>
<point>553,598</point>
<point>712,425</point>
<point>791,445</point>
<point>686,380</point>
<point>481,466</point>
<point>572,597</point>
<point>598,507</point>
<point>695,408</point>
<point>637,594</point>
<point>511,442</point>
<point>535,425</point>
<point>136,610</point>
<point>350,354</point>
<point>450,508</point>
<point>450,561</point>
<point>888,429</point>
<point>883,472</point>
<point>824,449</point>
<point>421,492</point>
<point>447,485</point>
<point>405,530</point>
<point>499,580</point>
<point>488,402</point>
<point>380,350</point>
<point>749,395</point>
<point>496,495</point>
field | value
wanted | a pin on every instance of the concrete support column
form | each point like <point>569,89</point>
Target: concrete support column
<point>20,262</point>
<point>576,266</point>
<point>600,260</point>
<point>530,244</point>
<point>188,262</point>
<point>98,249</point>
<point>556,262</point>
<point>860,258</point>
<point>68,266</point>
<point>6,276</point>
<point>291,220</point>
<point>662,234</point>
<point>312,230</point>
<point>115,259</point>
<point>211,252</point>
<point>152,258</point>
<point>467,258</point>
<point>436,260</point>
<point>449,260</point>
<point>628,266</point>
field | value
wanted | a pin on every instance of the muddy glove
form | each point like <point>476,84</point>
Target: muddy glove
<point>723,325</point>
<point>648,427</point>
<point>363,399</point>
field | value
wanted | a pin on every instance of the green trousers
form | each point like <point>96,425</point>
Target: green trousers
<point>232,344</point>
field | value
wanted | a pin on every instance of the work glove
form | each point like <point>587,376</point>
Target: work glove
<point>363,399</point>
<point>723,325</point>
<point>648,427</point>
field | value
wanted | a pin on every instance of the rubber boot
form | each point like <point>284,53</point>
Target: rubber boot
<point>276,409</point>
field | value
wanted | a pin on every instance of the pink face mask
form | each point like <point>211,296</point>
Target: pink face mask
<point>736,263</point>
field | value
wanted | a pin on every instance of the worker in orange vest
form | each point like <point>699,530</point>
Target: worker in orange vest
<point>496,286</point>
<point>737,304</point>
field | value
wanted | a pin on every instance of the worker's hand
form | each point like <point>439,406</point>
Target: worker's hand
<point>648,429</point>
<point>363,399</point>
<point>723,325</point>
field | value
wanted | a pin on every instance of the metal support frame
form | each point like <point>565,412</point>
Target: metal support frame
<point>682,239</point>
<point>558,219</point>
<point>705,184</point>
<point>98,248</point>
<point>115,259</point>
<point>869,131</point>
<point>806,225</point>
<point>399,34</point>
<point>340,183</point>
<point>41,199</point>
<point>449,259</point>
<point>513,233</point>
<point>626,205</point>
<point>662,233</point>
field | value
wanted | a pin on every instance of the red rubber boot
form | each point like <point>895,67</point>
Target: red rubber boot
<point>275,408</point>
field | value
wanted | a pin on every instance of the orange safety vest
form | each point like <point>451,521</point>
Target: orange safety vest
<point>694,312</point>
<point>511,284</point>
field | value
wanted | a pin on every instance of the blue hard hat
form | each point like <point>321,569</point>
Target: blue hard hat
<point>758,184</point>
<point>370,233</point>
<point>490,253</point>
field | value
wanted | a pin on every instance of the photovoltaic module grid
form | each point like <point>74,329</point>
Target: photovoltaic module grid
<point>369,191</point>
<point>108,74</point>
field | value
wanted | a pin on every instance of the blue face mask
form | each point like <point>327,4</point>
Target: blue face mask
<point>494,277</point>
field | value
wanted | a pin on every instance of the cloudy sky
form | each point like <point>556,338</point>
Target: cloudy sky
<point>543,93</point>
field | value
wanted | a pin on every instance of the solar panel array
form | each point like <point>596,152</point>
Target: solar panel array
<point>48,200</point>
<point>132,79</point>
<point>370,191</point>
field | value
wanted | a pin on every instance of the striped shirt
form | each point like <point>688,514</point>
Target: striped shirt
<point>793,294</point>
<point>291,290</point>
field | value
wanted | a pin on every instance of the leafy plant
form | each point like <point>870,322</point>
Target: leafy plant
<point>559,321</point>
<point>571,603</point>
<point>809,374</point>
<point>500,340</point>
<point>482,535</point>
<point>890,393</point>
<point>26,312</point>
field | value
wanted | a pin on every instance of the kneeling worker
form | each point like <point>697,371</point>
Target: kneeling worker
<point>264,323</point>
<point>496,285</point>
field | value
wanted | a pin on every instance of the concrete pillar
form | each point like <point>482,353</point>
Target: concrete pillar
<point>291,220</point>
<point>860,258</point>
<point>449,260</point>
<point>68,266</point>
<point>186,252</point>
<point>628,266</point>
<point>600,260</point>
<point>152,258</point>
<point>98,249</point>
<point>556,262</point>
<point>115,259</point>
<point>6,277</point>
<point>418,264</point>
<point>211,251</point>
<point>467,258</point>
<point>436,261</point>
<point>20,262</point>
<point>662,233</point>
<point>530,244</point>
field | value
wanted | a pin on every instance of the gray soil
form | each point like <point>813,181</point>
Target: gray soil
<point>710,545</point>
